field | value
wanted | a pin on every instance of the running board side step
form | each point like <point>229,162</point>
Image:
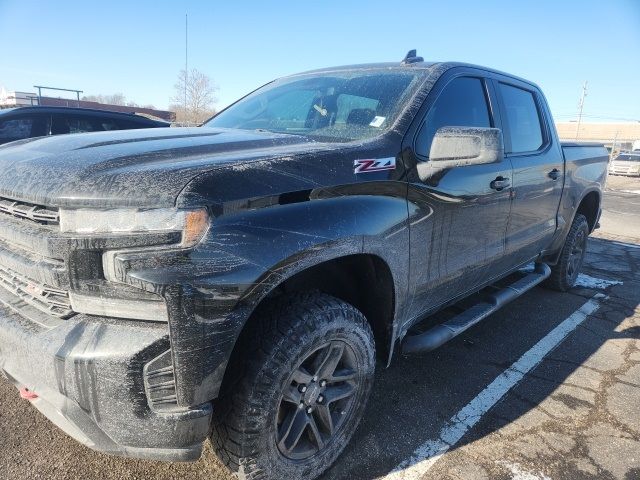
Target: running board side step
<point>440,334</point>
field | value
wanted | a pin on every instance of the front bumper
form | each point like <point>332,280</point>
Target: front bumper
<point>88,375</point>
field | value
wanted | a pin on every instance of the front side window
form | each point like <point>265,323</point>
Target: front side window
<point>462,103</point>
<point>525,129</point>
<point>330,106</point>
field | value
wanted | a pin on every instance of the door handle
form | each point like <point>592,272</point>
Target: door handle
<point>500,183</point>
<point>554,174</point>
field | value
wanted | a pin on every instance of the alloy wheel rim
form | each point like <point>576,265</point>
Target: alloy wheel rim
<point>317,400</point>
<point>576,255</point>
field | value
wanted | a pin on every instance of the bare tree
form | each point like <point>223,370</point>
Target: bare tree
<point>115,99</point>
<point>200,100</point>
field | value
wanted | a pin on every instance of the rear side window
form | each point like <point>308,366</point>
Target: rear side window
<point>15,129</point>
<point>462,103</point>
<point>525,128</point>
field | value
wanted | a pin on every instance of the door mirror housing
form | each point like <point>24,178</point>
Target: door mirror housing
<point>460,147</point>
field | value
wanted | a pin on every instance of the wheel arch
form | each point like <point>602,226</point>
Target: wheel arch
<point>589,206</point>
<point>363,280</point>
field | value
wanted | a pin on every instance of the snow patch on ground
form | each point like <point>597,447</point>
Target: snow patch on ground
<point>583,280</point>
<point>518,473</point>
<point>587,281</point>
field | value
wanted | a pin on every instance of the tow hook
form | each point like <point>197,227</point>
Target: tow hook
<point>27,394</point>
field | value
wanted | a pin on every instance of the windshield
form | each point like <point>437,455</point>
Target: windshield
<point>334,106</point>
<point>629,158</point>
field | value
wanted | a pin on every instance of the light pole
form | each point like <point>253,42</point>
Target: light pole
<point>186,61</point>
<point>580,107</point>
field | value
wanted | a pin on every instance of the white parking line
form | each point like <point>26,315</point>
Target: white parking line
<point>427,454</point>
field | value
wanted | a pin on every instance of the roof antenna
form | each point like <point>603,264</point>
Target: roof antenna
<point>411,58</point>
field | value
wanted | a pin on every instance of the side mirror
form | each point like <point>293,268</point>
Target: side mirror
<point>462,146</point>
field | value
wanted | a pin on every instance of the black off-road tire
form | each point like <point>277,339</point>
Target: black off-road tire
<point>292,337</point>
<point>565,273</point>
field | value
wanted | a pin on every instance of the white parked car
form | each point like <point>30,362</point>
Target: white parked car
<point>626,164</point>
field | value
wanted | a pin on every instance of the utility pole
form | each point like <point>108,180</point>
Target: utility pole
<point>613,147</point>
<point>580,107</point>
<point>186,61</point>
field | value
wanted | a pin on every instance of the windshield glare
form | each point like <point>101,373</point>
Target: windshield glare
<point>333,106</point>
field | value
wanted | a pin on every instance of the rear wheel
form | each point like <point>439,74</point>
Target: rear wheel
<point>302,391</point>
<point>565,273</point>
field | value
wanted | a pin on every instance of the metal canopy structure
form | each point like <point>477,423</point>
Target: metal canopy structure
<point>44,87</point>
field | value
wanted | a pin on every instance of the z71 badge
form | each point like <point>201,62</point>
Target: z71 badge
<point>374,165</point>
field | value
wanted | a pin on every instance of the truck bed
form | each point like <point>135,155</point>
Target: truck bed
<point>584,152</point>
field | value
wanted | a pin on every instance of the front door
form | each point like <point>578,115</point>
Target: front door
<point>458,217</point>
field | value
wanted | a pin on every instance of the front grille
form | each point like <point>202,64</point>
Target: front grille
<point>53,301</point>
<point>36,213</point>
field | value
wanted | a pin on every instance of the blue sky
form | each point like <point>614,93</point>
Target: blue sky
<point>137,47</point>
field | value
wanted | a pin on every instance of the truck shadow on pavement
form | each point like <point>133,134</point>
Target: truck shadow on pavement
<point>575,415</point>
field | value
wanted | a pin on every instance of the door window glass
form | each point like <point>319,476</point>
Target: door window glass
<point>462,103</point>
<point>525,130</point>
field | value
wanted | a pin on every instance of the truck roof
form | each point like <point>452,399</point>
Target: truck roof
<point>425,66</point>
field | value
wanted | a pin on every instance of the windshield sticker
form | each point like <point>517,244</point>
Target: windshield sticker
<point>377,121</point>
<point>374,165</point>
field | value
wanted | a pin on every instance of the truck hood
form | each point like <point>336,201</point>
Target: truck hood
<point>129,168</point>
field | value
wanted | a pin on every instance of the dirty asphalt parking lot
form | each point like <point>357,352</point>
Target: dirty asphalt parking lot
<point>574,415</point>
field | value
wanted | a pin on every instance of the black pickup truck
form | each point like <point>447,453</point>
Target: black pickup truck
<point>239,280</point>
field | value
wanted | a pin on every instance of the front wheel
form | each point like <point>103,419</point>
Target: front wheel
<point>565,273</point>
<point>308,370</point>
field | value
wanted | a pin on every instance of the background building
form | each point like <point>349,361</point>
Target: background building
<point>624,134</point>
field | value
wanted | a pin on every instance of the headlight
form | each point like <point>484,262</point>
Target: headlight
<point>192,223</point>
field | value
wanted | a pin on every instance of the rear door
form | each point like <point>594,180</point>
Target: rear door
<point>457,219</point>
<point>538,169</point>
